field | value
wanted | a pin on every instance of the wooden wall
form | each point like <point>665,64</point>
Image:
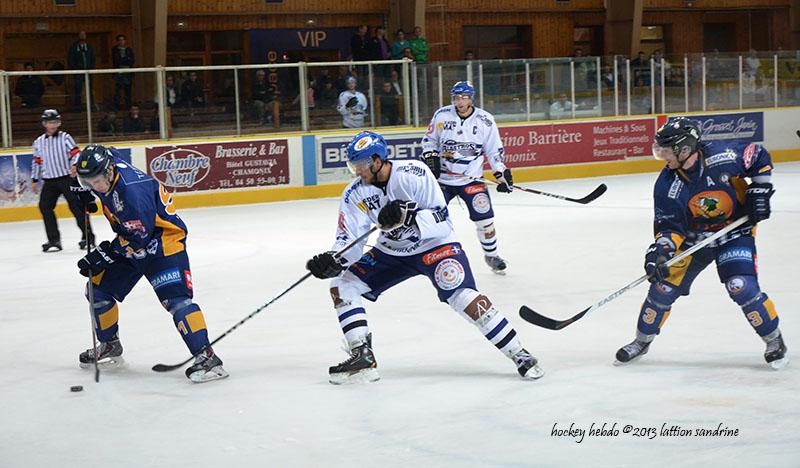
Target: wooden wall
<point>234,23</point>
<point>46,8</point>
<point>239,7</point>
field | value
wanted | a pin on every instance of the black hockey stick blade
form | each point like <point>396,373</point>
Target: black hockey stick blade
<point>531,316</point>
<point>601,189</point>
<point>798,133</point>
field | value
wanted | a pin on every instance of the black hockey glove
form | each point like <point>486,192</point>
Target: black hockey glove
<point>757,202</point>
<point>505,180</point>
<point>352,102</point>
<point>99,259</point>
<point>397,213</point>
<point>434,162</point>
<point>85,198</point>
<point>324,266</point>
<point>656,258</point>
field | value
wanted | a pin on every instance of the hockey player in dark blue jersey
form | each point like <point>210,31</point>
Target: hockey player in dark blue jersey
<point>150,242</point>
<point>701,190</point>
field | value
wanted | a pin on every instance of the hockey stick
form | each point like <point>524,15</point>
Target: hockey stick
<point>536,318</point>
<point>90,293</point>
<point>171,367</point>
<point>601,189</point>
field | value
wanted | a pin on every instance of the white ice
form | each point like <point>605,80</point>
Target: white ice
<point>446,398</point>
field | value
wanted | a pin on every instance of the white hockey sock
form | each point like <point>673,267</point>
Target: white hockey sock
<point>490,321</point>
<point>487,236</point>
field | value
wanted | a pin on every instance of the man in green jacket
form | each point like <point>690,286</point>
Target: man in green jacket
<point>419,46</point>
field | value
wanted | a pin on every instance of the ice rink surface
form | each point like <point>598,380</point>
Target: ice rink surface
<point>446,398</point>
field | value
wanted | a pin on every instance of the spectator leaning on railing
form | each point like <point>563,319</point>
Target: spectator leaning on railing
<point>399,44</point>
<point>419,46</point>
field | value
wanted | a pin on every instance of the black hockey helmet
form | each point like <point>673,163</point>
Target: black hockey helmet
<point>93,161</point>
<point>50,115</point>
<point>679,136</point>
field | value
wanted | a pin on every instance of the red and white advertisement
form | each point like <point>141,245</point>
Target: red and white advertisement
<point>210,166</point>
<point>582,142</point>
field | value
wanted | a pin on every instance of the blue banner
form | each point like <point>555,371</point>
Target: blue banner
<point>748,126</point>
<point>333,154</point>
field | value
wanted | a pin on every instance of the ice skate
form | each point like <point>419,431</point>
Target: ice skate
<point>497,264</point>
<point>52,247</point>
<point>361,367</point>
<point>82,244</point>
<point>775,354</point>
<point>527,365</point>
<point>207,367</point>
<point>110,356</point>
<point>632,351</point>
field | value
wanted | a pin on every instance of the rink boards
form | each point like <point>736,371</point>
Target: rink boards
<point>276,167</point>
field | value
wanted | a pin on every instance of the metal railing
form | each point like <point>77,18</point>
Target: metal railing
<point>513,90</point>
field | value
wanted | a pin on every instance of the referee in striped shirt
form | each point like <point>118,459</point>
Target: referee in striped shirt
<point>53,153</point>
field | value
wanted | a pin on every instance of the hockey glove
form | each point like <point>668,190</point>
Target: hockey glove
<point>98,260</point>
<point>324,266</point>
<point>352,102</point>
<point>757,202</point>
<point>434,162</point>
<point>656,258</point>
<point>397,213</point>
<point>505,181</point>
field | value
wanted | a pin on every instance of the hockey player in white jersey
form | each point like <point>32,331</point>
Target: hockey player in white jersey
<point>458,138</point>
<point>352,105</point>
<point>403,198</point>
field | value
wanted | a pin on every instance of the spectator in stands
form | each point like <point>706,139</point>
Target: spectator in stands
<point>752,65</point>
<point>659,62</point>
<point>310,96</point>
<point>327,96</point>
<point>192,92</point>
<point>407,53</point>
<point>171,91</point>
<point>133,123</point>
<point>122,57</point>
<point>559,106</point>
<point>108,126</point>
<point>29,88</point>
<point>639,66</point>
<point>359,45</point>
<point>389,108</point>
<point>379,50</point>
<point>262,97</point>
<point>399,44</point>
<point>395,82</point>
<point>419,46</point>
<point>341,80</point>
<point>469,55</point>
<point>81,57</point>
<point>323,78</point>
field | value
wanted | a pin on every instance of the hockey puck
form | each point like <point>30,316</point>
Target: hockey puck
<point>76,388</point>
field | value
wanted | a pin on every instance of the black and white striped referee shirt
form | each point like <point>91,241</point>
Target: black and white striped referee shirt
<point>53,155</point>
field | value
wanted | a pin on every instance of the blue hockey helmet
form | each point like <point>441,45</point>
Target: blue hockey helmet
<point>462,88</point>
<point>362,148</point>
<point>678,138</point>
<point>94,161</point>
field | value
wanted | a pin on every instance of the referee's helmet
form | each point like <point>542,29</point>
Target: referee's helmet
<point>50,115</point>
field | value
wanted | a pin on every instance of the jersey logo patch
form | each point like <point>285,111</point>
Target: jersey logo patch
<point>749,155</point>
<point>675,189</point>
<point>481,203</point>
<point>440,253</point>
<point>711,205</point>
<point>473,189</point>
<point>449,274</point>
<point>165,278</point>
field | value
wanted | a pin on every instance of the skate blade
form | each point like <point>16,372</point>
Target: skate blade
<point>534,373</point>
<point>105,364</point>
<point>499,272</point>
<point>362,376</point>
<point>779,364</point>
<point>619,363</point>
<point>216,373</point>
